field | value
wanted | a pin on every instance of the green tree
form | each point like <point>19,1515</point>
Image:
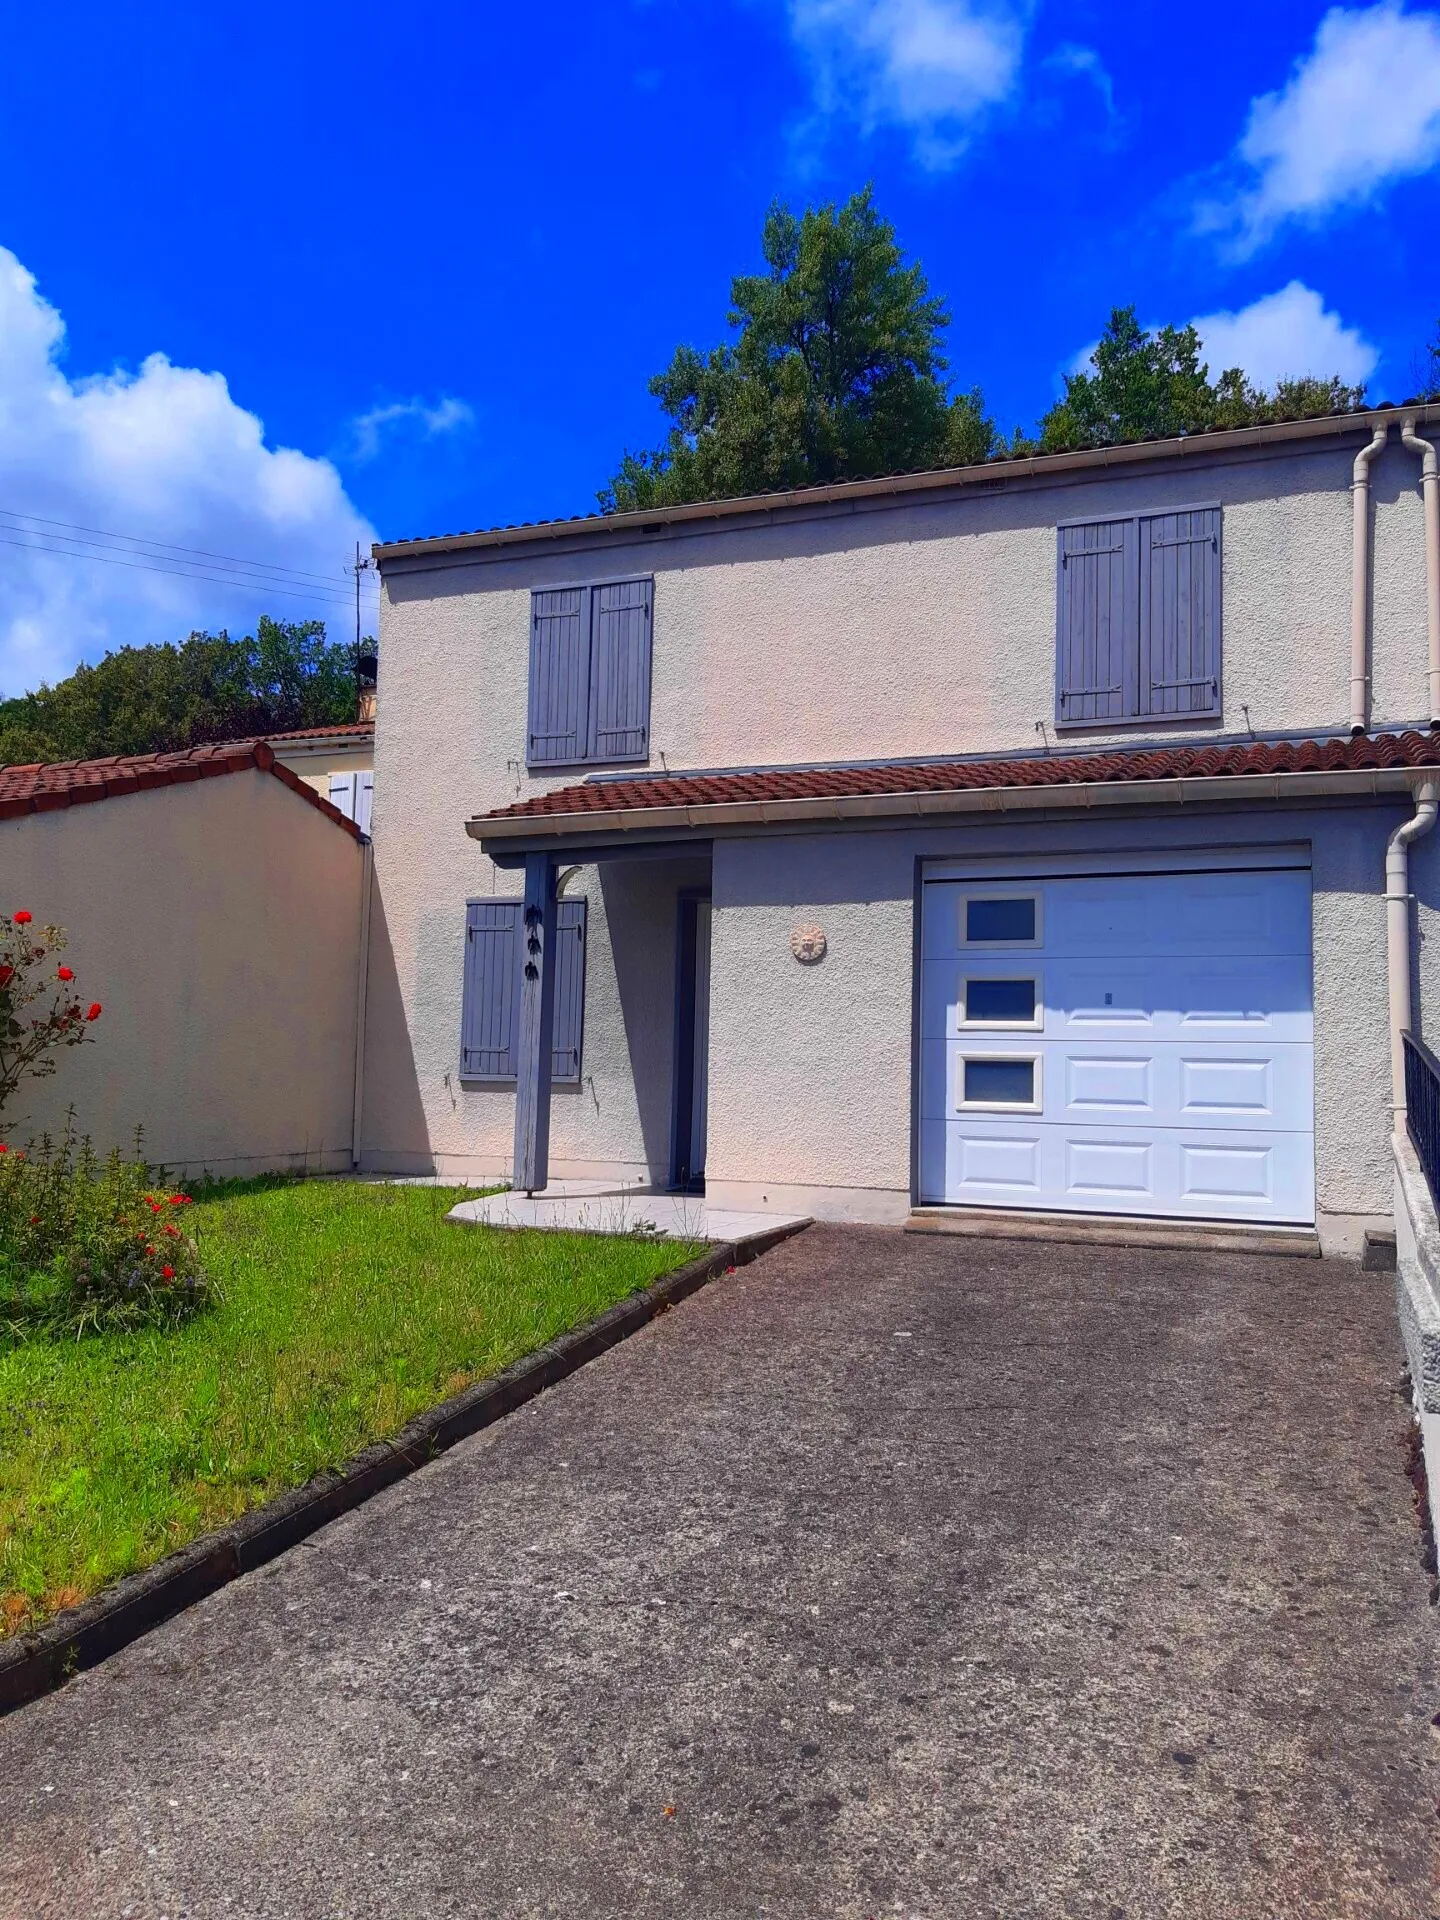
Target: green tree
<point>1139,385</point>
<point>160,699</point>
<point>836,372</point>
<point>1425,369</point>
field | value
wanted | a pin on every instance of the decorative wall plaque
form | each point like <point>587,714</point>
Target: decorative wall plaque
<point>808,945</point>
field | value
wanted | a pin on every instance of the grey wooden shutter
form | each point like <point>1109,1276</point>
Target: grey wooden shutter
<point>342,793</point>
<point>1179,592</point>
<point>620,671</point>
<point>491,996</point>
<point>569,1034</point>
<point>559,676</point>
<point>1095,656</point>
<point>364,798</point>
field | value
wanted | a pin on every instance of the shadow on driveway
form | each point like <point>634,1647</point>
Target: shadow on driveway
<point>889,1576</point>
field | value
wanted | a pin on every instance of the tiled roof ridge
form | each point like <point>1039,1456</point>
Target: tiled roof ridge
<point>1120,765</point>
<point>324,733</point>
<point>48,786</point>
<point>997,466</point>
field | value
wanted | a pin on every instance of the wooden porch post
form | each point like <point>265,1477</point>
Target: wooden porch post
<point>537,1024</point>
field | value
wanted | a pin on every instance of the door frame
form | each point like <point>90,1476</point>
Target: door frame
<point>682,1079</point>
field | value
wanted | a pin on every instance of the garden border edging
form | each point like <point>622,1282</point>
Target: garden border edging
<point>37,1662</point>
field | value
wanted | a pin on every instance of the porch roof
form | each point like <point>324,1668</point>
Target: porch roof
<point>685,806</point>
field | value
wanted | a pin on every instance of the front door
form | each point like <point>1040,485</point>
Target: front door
<point>692,1044</point>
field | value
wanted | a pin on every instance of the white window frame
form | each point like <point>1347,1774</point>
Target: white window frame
<point>1031,1107</point>
<point>1001,893</point>
<point>1036,1024</point>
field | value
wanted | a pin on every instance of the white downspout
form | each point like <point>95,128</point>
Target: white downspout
<point>1430,480</point>
<point>1397,932</point>
<point>1360,582</point>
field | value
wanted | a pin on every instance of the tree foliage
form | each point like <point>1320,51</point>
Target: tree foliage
<point>1137,384</point>
<point>836,372</point>
<point>1425,369</point>
<point>159,699</point>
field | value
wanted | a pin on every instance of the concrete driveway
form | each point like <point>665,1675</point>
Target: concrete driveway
<point>890,1576</point>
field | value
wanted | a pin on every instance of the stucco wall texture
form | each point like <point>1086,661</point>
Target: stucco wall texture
<point>892,630</point>
<point>218,925</point>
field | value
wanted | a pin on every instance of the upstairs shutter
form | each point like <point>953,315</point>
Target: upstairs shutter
<point>1180,612</point>
<point>569,1030</point>
<point>559,676</point>
<point>342,793</point>
<point>491,997</point>
<point>364,795</point>
<point>1095,629</point>
<point>620,671</point>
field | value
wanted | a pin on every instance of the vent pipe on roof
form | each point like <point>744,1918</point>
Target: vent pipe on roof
<point>1360,583</point>
<point>1397,931</point>
<point>1430,480</point>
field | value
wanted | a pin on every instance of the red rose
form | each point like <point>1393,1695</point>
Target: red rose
<point>7,974</point>
<point>168,1272</point>
<point>21,919</point>
<point>94,1013</point>
<point>3,1147</point>
<point>64,973</point>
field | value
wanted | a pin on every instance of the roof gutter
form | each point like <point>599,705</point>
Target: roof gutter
<point>542,832</point>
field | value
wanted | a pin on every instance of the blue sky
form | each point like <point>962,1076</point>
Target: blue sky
<point>409,270</point>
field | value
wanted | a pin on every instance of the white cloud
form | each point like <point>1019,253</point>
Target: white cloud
<point>445,415</point>
<point>931,67</point>
<point>1359,111</point>
<point>1085,63</point>
<point>1286,334</point>
<point>166,458</point>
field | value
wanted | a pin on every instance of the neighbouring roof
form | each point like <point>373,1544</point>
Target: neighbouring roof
<point>45,787</point>
<point>349,730</point>
<point>1374,763</point>
<point>986,476</point>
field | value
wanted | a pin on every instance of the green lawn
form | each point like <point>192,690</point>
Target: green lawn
<point>345,1309</point>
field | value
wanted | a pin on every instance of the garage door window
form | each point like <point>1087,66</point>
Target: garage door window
<point>1009,1001</point>
<point>1000,920</point>
<point>1000,1081</point>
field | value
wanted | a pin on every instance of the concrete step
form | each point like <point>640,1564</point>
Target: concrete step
<point>1114,1230</point>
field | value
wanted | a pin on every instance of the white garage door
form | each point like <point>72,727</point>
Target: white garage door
<point>1119,1043</point>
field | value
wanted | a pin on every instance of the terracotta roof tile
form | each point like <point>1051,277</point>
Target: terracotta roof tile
<point>47,787</point>
<point>359,729</point>
<point>1410,749</point>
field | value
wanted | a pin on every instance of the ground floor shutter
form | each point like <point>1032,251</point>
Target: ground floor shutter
<point>489,1019</point>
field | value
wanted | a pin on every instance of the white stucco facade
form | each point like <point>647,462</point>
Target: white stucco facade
<point>218,924</point>
<point>861,631</point>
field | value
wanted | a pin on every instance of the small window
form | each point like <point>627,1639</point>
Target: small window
<point>997,920</point>
<point>1000,1002</point>
<point>590,673</point>
<point>1138,618</point>
<point>489,1020</point>
<point>999,1082</point>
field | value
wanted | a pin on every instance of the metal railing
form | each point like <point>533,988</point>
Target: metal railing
<point>1422,1107</point>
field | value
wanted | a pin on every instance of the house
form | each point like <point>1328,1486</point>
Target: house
<point>1012,837</point>
<point>338,762</point>
<point>215,905</point>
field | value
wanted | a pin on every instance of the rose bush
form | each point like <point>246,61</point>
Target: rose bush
<point>90,1245</point>
<point>39,1009</point>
